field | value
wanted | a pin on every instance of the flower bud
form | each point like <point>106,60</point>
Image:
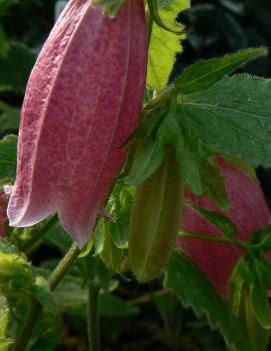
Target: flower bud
<point>156,219</point>
<point>248,212</point>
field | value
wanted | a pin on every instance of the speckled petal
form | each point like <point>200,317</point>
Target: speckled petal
<point>82,102</point>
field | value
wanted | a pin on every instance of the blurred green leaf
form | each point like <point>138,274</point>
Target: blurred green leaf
<point>260,305</point>
<point>4,5</point>
<point>40,289</point>
<point>16,67</point>
<point>261,239</point>
<point>5,343</point>
<point>4,319</point>
<point>4,311</point>
<point>70,295</point>
<point>112,306</point>
<point>8,158</point>
<point>4,43</point>
<point>9,117</point>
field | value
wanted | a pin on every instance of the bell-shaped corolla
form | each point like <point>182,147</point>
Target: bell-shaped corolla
<point>82,102</point>
<point>248,212</point>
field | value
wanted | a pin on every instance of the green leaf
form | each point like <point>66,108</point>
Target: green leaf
<point>149,155</point>
<point>4,43</point>
<point>214,182</point>
<point>222,223</point>
<point>43,294</point>
<point>164,44</point>
<point>9,117</point>
<point>261,239</point>
<point>112,10</point>
<point>234,115</point>
<point>57,237</point>
<point>4,311</point>
<point>5,343</point>
<point>203,74</point>
<point>4,5</point>
<point>120,206</point>
<point>112,306</point>
<point>16,67</point>
<point>114,258</point>
<point>249,301</point>
<point>198,170</point>
<point>71,296</point>
<point>260,305</point>
<point>195,291</point>
<point>8,154</point>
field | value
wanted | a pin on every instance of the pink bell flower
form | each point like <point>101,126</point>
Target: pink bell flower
<point>248,212</point>
<point>82,101</point>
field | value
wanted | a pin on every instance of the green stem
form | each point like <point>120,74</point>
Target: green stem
<point>35,308</point>
<point>93,316</point>
<point>63,266</point>
<point>37,234</point>
<point>242,244</point>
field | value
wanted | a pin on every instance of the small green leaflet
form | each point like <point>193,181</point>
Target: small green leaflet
<point>148,156</point>
<point>222,223</point>
<point>234,115</point>
<point>194,290</point>
<point>8,151</point>
<point>165,45</point>
<point>203,74</point>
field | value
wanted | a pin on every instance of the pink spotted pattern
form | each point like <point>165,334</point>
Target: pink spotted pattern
<point>83,100</point>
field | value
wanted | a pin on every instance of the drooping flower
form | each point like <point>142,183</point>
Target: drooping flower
<point>248,212</point>
<point>82,101</point>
